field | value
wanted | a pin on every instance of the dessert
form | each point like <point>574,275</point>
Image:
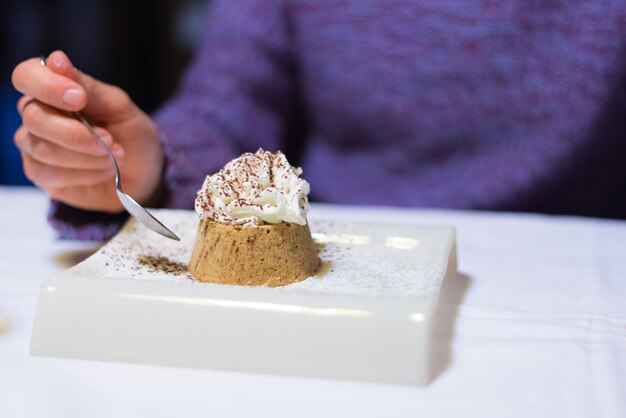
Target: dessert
<point>253,228</point>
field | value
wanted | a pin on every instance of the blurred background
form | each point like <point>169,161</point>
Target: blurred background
<point>139,45</point>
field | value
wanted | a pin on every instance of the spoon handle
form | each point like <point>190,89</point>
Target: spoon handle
<point>92,131</point>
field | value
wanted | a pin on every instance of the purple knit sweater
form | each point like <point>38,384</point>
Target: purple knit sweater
<point>486,104</point>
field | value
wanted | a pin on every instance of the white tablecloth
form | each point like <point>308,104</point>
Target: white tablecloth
<point>535,324</point>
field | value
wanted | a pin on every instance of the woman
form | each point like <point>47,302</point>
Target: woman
<point>483,105</point>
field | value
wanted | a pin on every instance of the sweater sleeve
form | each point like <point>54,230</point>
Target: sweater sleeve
<point>234,97</point>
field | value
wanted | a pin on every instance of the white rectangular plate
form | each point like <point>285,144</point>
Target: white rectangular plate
<point>365,316</point>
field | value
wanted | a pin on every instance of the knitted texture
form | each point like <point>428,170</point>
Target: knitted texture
<point>490,104</point>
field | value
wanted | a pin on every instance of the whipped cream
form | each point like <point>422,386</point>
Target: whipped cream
<point>255,189</point>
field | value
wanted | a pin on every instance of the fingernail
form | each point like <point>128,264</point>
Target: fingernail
<point>97,147</point>
<point>56,60</point>
<point>73,97</point>
<point>104,135</point>
<point>118,152</point>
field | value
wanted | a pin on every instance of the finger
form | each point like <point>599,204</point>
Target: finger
<point>49,177</point>
<point>54,155</point>
<point>55,126</point>
<point>99,197</point>
<point>32,79</point>
<point>104,101</point>
<point>23,102</point>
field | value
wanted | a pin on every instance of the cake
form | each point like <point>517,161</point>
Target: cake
<point>253,228</point>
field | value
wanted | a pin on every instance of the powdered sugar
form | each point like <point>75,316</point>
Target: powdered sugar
<point>358,258</point>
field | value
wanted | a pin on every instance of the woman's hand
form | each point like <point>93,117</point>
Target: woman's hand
<point>59,154</point>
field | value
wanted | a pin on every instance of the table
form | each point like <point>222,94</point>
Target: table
<point>534,325</point>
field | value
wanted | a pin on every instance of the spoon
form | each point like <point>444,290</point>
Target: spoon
<point>135,209</point>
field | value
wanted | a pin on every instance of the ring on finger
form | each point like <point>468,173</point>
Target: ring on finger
<point>32,100</point>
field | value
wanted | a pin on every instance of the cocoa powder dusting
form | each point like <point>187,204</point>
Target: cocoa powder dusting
<point>248,169</point>
<point>162,265</point>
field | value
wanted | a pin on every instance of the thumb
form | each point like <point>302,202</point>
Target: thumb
<point>105,102</point>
